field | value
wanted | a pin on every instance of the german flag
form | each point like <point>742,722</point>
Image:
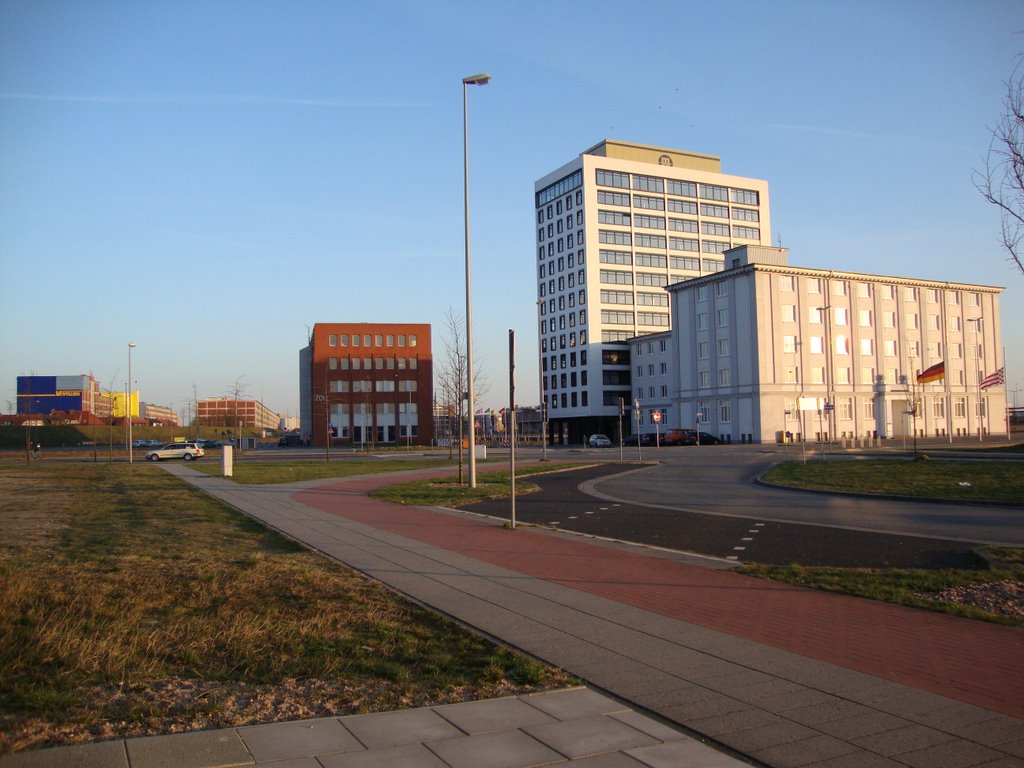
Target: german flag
<point>936,373</point>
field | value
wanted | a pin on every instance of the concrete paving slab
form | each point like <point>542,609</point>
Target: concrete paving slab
<point>589,736</point>
<point>104,754</point>
<point>502,749</point>
<point>740,720</point>
<point>765,736</point>
<point>827,711</point>
<point>405,756</point>
<point>806,752</point>
<point>862,725</point>
<point>714,705</point>
<point>493,715</point>
<point>574,703</point>
<point>992,733</point>
<point>295,762</point>
<point>407,726</point>
<point>648,725</point>
<point>899,740</point>
<point>953,754</point>
<point>277,741</point>
<point>611,760</point>
<point>685,754</point>
<point>199,749</point>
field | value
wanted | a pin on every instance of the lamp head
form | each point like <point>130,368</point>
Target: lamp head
<point>482,79</point>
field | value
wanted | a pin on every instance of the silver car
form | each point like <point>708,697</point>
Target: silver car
<point>599,441</point>
<point>186,451</point>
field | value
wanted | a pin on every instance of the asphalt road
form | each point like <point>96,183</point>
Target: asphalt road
<point>705,501</point>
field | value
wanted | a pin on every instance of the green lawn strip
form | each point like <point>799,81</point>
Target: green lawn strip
<point>998,481</point>
<point>448,492</point>
<point>131,604</point>
<point>915,588</point>
<point>272,472</point>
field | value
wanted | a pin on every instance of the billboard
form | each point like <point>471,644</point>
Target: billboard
<point>43,394</point>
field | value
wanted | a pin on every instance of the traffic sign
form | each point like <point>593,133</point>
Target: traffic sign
<point>656,416</point>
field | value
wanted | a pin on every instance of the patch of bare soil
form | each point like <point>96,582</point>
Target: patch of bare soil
<point>1003,598</point>
<point>192,705</point>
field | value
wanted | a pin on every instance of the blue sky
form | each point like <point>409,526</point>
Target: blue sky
<point>210,179</point>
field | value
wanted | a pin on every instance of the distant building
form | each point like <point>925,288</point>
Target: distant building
<point>117,404</point>
<point>158,414</point>
<point>764,351</point>
<point>44,395</point>
<point>367,384</point>
<point>614,226</point>
<point>228,412</point>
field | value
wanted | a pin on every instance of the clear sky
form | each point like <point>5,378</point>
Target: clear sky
<point>209,179</point>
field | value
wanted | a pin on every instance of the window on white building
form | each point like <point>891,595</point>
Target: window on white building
<point>724,411</point>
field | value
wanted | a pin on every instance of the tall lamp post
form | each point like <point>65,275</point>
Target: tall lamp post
<point>128,401</point>
<point>481,79</point>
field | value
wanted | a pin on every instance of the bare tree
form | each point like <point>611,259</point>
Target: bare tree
<point>236,391</point>
<point>452,377</point>
<point>1001,181</point>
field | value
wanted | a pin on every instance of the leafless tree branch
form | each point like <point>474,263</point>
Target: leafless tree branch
<point>1001,180</point>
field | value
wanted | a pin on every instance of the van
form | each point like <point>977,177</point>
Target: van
<point>290,441</point>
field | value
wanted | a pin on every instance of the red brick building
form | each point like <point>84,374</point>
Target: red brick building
<point>369,384</point>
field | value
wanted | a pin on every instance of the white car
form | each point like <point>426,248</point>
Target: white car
<point>186,451</point>
<point>600,441</point>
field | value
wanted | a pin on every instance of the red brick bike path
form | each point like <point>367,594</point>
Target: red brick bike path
<point>969,661</point>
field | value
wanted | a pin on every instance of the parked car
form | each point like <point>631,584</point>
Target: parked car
<point>213,444</point>
<point>186,451</point>
<point>679,437</point>
<point>706,438</point>
<point>290,440</point>
<point>646,439</point>
<point>599,441</point>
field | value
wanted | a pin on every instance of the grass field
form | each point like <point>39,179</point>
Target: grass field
<point>998,481</point>
<point>132,604</point>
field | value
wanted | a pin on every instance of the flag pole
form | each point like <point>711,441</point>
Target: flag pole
<point>1006,400</point>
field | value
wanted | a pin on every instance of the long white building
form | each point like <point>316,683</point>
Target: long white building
<point>614,227</point>
<point>764,349</point>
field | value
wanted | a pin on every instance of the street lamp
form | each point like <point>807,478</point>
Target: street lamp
<point>481,79</point>
<point>128,401</point>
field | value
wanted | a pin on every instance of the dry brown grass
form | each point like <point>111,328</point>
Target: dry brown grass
<point>130,604</point>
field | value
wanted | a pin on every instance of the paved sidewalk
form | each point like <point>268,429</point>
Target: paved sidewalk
<point>786,676</point>
<point>547,729</point>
